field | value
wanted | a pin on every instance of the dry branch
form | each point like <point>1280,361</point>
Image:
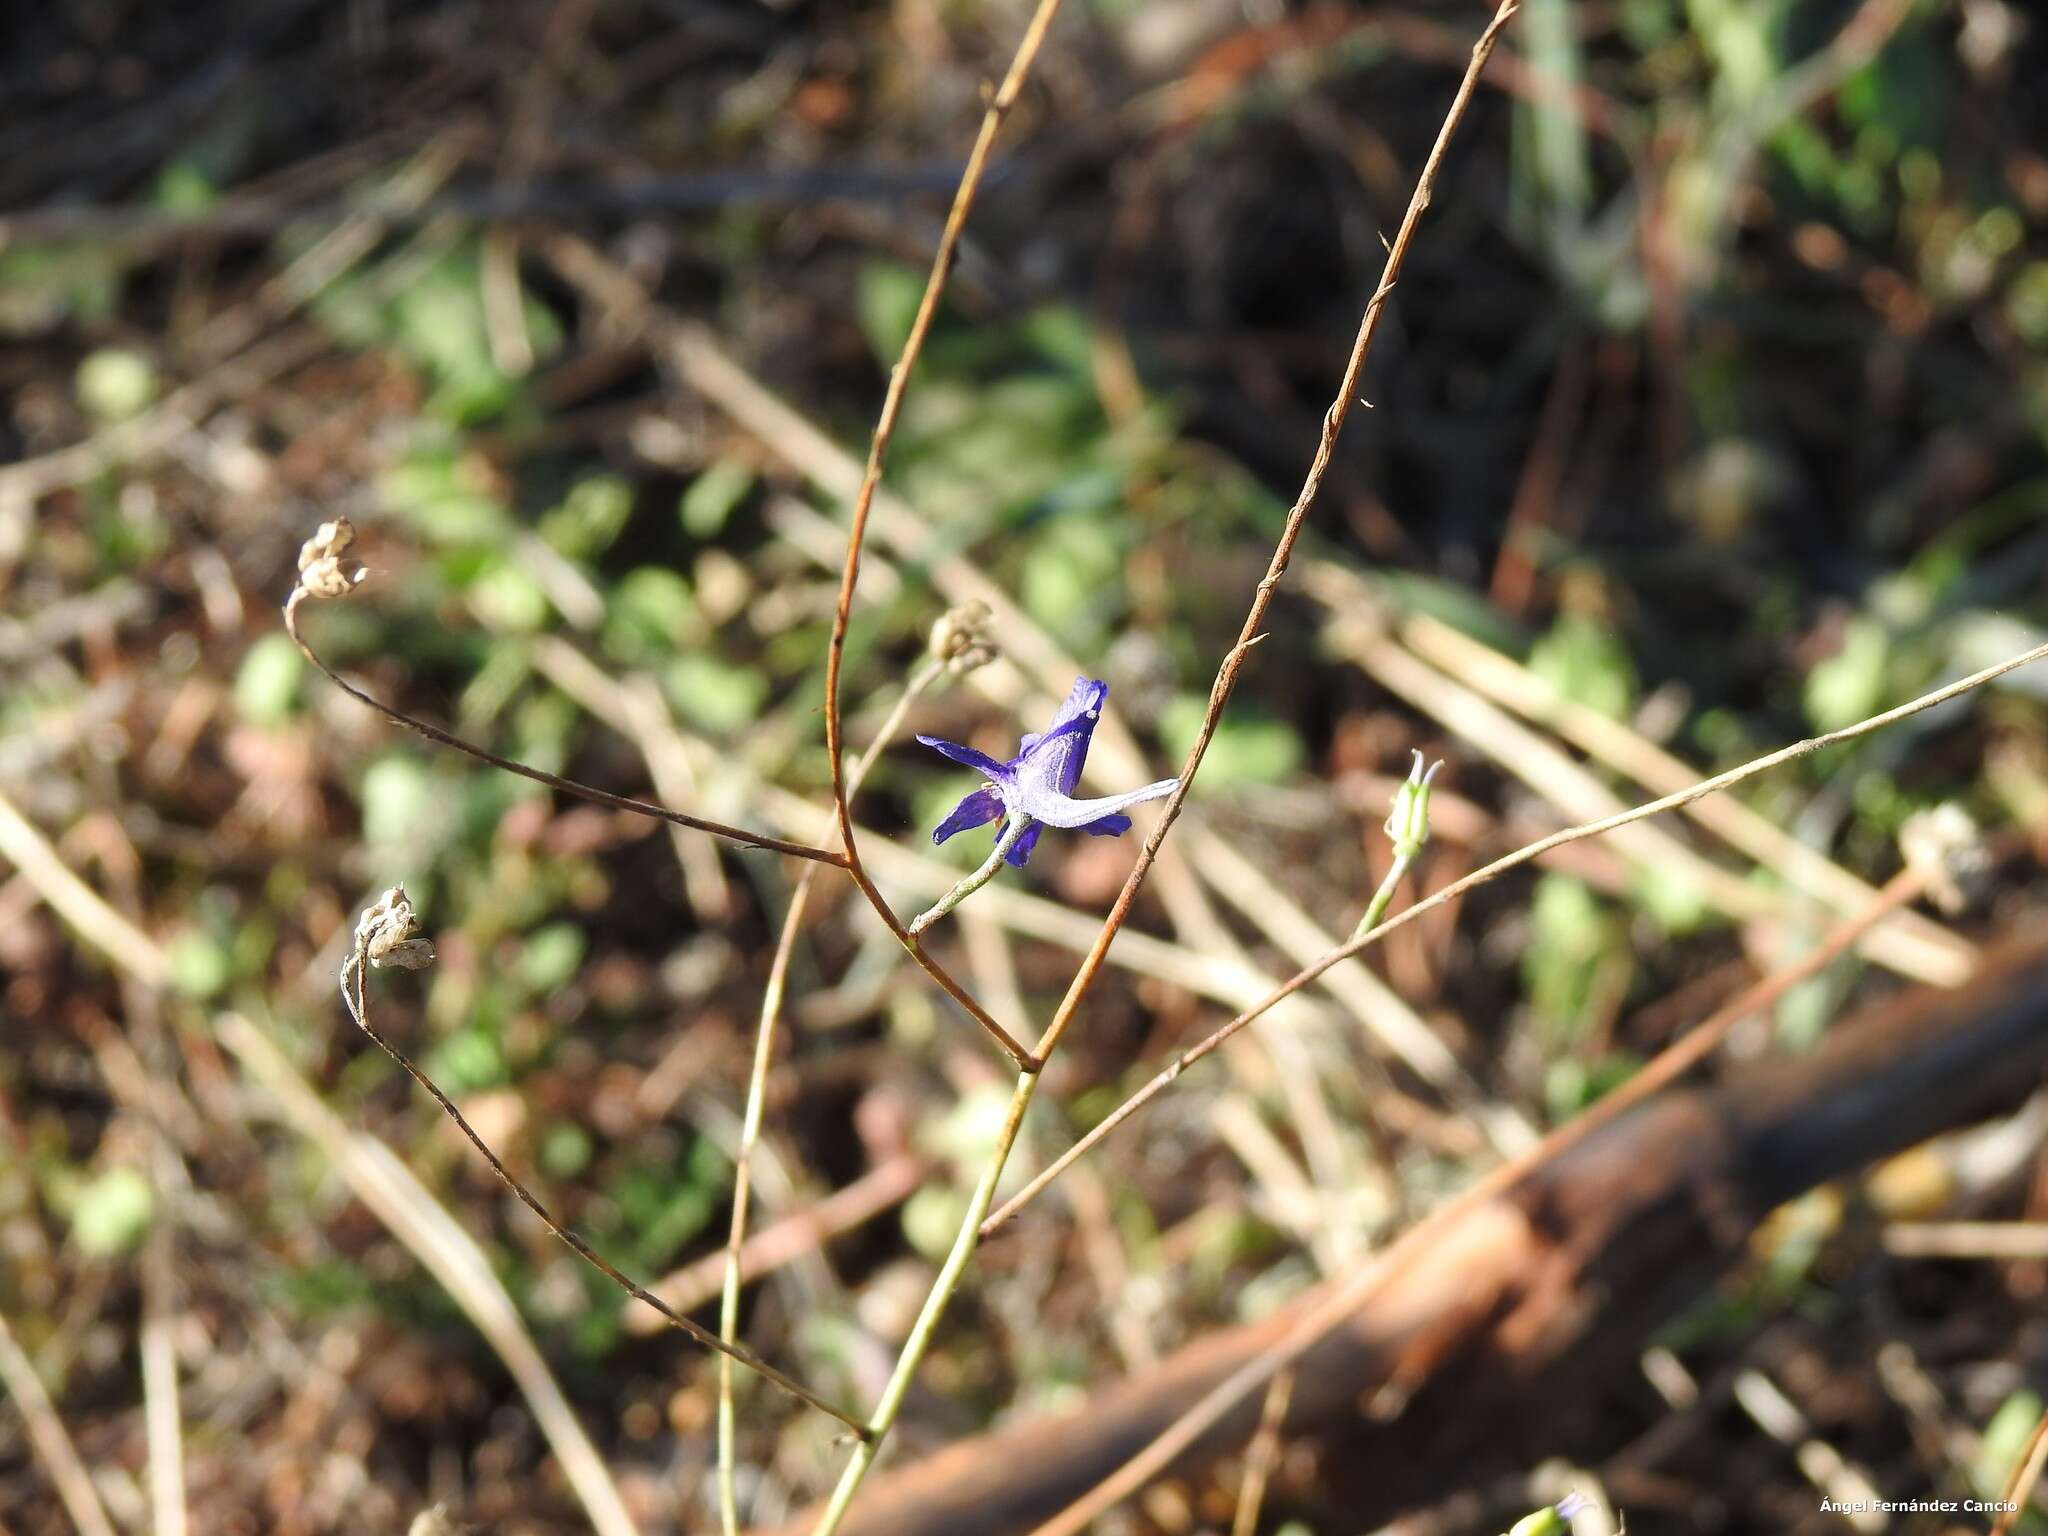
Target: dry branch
<point>1459,1366</point>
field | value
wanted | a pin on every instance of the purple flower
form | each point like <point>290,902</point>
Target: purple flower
<point>1038,783</point>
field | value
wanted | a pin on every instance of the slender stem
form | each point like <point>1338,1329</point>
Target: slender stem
<point>1345,1299</point>
<point>49,1439</point>
<point>1263,1456</point>
<point>926,1327</point>
<point>1527,853</point>
<point>354,973</point>
<point>999,104</point>
<point>2019,1490</point>
<point>1311,486</point>
<point>435,734</point>
<point>1367,930</point>
<point>757,1097</point>
<point>1376,909</point>
<point>1013,829</point>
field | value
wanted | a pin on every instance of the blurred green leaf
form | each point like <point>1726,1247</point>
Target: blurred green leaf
<point>652,614</point>
<point>590,517</point>
<point>1670,897</point>
<point>565,1150</point>
<point>444,496</point>
<point>403,808</point>
<point>506,598</point>
<point>1246,749</point>
<point>115,384</point>
<point>44,286</point>
<point>1850,684</point>
<point>714,496</point>
<point>661,1208</point>
<point>1570,1085</point>
<point>185,189</point>
<point>1587,662</point>
<point>886,301</point>
<point>111,1214</point>
<point>1577,949</point>
<point>1073,581</point>
<point>2005,1441</point>
<point>468,1060</point>
<point>2026,304</point>
<point>200,966</point>
<point>437,320</point>
<point>931,1219</point>
<point>551,957</point>
<point>713,694</point>
<point>267,683</point>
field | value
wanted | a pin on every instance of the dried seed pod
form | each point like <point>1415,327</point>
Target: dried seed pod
<point>960,638</point>
<point>321,571</point>
<point>389,933</point>
<point>1944,842</point>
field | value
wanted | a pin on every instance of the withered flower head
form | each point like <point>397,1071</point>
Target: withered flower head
<point>389,933</point>
<point>321,571</point>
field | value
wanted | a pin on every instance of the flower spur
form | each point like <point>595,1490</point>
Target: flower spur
<point>1035,790</point>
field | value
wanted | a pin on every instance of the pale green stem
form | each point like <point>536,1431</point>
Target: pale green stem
<point>1408,840</point>
<point>1012,830</point>
<point>935,1304</point>
<point>757,1095</point>
<point>1376,909</point>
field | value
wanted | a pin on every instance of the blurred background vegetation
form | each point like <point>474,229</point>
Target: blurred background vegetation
<point>1713,405</point>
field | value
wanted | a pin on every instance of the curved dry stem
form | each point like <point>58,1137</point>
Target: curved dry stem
<point>1311,486</point>
<point>1368,926</point>
<point>1478,877</point>
<point>999,105</point>
<point>927,1323</point>
<point>1024,1060</point>
<point>435,734</point>
<point>355,971</point>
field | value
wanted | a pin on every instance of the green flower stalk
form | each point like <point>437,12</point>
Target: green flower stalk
<point>1555,1519</point>
<point>1408,831</point>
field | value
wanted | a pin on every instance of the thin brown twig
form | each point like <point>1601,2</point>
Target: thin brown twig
<point>1263,1456</point>
<point>356,972</point>
<point>52,1442</point>
<point>1498,867</point>
<point>2024,1475</point>
<point>1346,1299</point>
<point>1248,635</point>
<point>999,105</point>
<point>434,733</point>
<point>378,1178</point>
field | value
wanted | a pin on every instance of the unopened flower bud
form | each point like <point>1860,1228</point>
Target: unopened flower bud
<point>1555,1520</point>
<point>1408,822</point>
